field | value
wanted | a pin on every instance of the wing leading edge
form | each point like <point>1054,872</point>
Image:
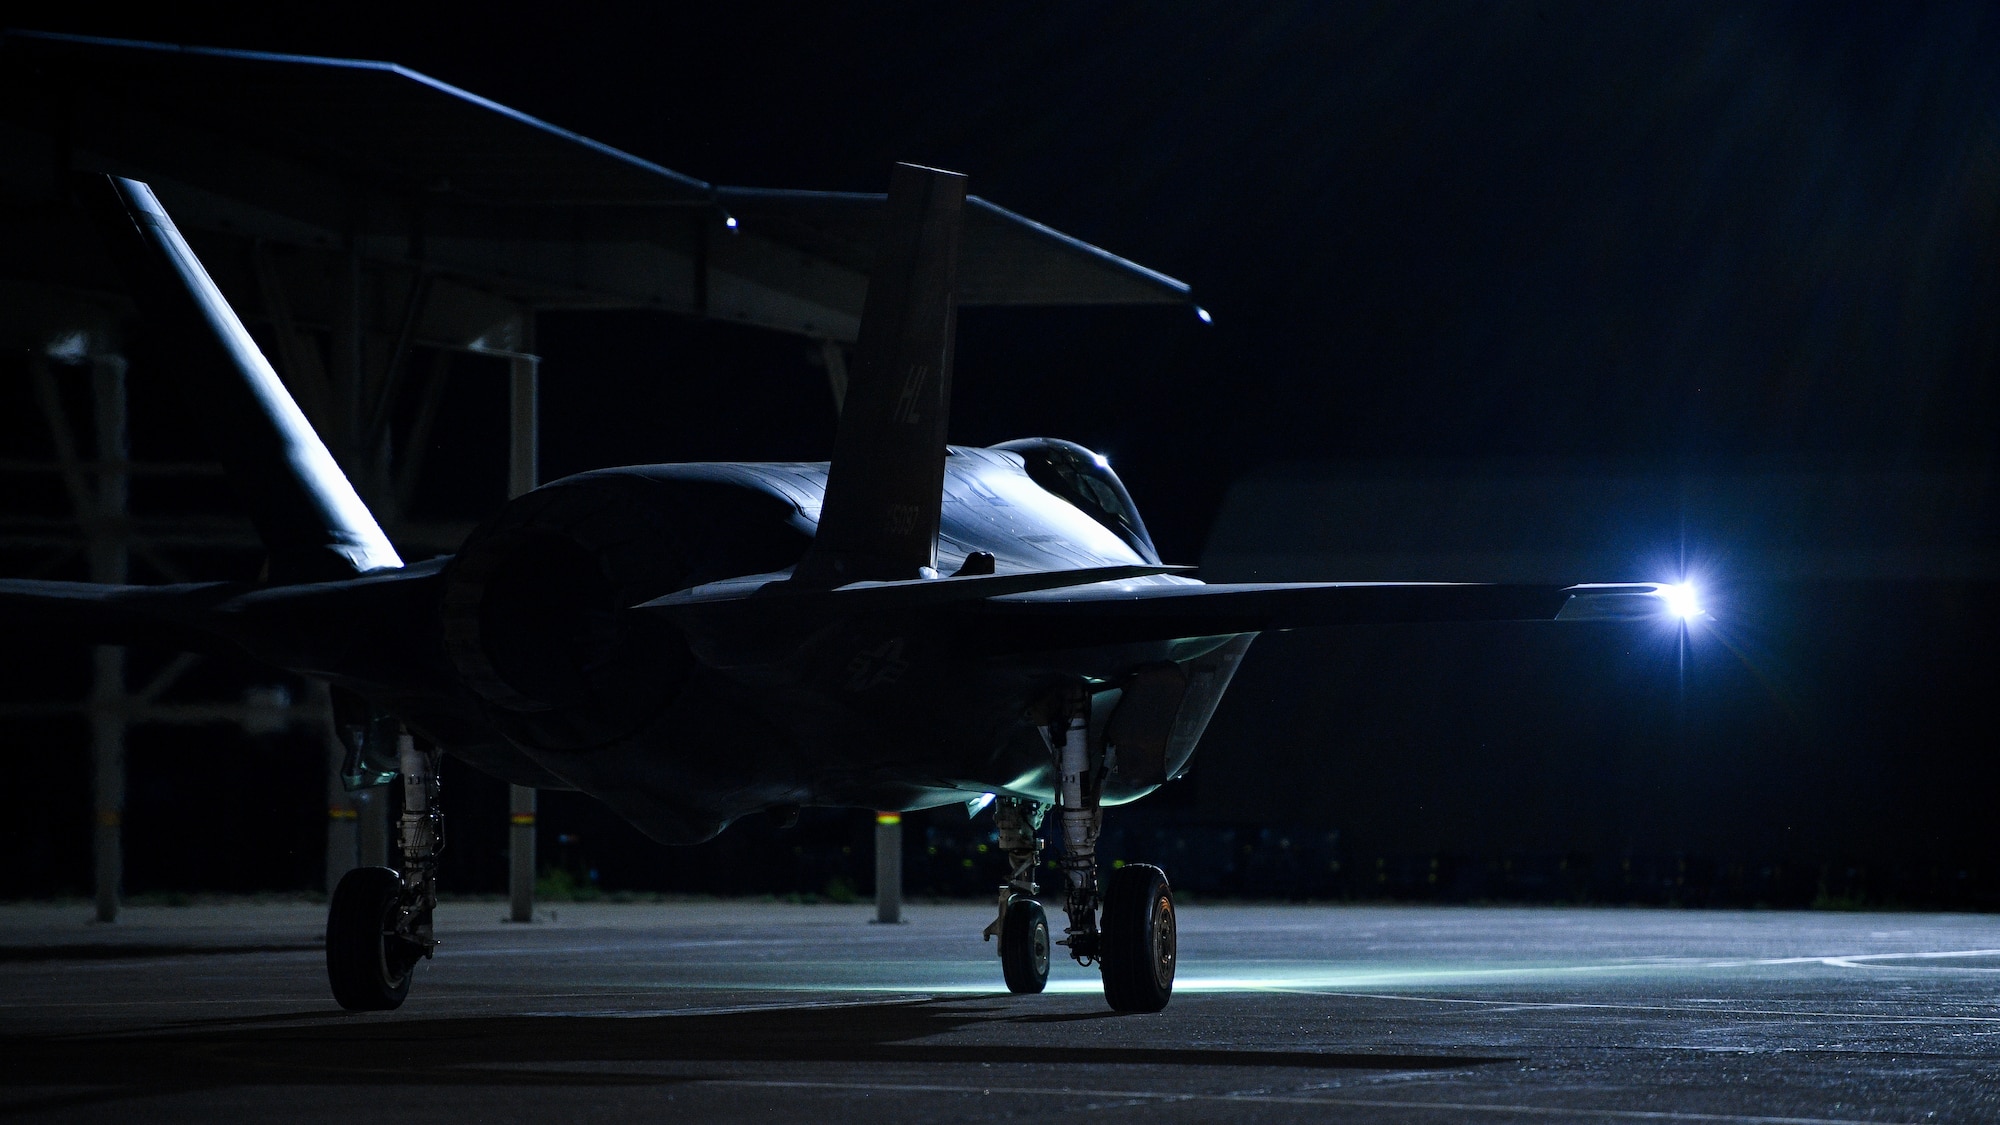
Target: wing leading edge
<point>1113,605</point>
<point>1110,612</point>
<point>1119,612</point>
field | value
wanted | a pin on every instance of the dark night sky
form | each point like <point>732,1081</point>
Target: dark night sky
<point>1666,237</point>
<point>1716,234</point>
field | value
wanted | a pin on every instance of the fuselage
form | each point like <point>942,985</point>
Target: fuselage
<point>681,728</point>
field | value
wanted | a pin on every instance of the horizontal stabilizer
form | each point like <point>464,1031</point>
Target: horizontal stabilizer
<point>353,627</point>
<point>39,612</point>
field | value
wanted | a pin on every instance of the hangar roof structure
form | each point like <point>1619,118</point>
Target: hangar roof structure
<point>403,170</point>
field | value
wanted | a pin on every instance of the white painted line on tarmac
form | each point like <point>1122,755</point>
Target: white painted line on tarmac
<point>1499,1006</point>
<point>724,1010</point>
<point>1154,1096</point>
<point>1854,960</point>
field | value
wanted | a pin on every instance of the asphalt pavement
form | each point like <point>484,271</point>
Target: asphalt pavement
<point>722,1011</point>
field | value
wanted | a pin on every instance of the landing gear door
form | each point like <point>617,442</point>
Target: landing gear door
<point>369,736</point>
<point>1143,722</point>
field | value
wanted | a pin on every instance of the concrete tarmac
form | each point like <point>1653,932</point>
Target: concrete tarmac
<point>760,1012</point>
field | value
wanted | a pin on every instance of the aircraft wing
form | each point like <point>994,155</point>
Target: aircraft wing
<point>1123,611</point>
<point>1115,604</point>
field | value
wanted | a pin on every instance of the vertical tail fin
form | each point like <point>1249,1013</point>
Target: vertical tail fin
<point>885,487</point>
<point>312,522</point>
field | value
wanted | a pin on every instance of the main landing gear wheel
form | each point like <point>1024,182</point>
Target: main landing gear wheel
<point>1024,946</point>
<point>367,963</point>
<point>1139,939</point>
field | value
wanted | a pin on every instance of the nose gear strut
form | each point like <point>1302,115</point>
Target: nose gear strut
<point>1017,820</point>
<point>1022,928</point>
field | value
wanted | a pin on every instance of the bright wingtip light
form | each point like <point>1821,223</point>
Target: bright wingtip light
<point>1203,314</point>
<point>1683,600</point>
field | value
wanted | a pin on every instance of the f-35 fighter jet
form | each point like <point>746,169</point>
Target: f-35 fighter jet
<point>907,626</point>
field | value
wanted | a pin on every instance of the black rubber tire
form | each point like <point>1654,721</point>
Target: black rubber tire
<point>1140,940</point>
<point>1024,946</point>
<point>368,969</point>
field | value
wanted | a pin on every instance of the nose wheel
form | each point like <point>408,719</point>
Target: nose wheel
<point>1024,946</point>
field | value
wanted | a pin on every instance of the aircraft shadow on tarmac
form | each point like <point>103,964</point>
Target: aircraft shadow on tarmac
<point>543,1050</point>
<point>138,952</point>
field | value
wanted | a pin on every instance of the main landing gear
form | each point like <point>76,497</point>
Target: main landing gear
<point>1136,945</point>
<point>379,924</point>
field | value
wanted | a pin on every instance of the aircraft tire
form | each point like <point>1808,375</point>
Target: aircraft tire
<point>1024,946</point>
<point>368,968</point>
<point>1140,939</point>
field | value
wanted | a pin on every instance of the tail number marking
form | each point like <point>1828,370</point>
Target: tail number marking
<point>908,408</point>
<point>883,664</point>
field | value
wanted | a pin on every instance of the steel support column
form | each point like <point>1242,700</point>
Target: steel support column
<point>520,853</point>
<point>523,456</point>
<point>110,562</point>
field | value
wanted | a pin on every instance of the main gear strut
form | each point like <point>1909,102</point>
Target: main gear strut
<point>420,837</point>
<point>379,924</point>
<point>1017,820</point>
<point>1079,787</point>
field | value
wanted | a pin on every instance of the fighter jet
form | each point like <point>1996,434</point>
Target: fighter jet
<point>907,626</point>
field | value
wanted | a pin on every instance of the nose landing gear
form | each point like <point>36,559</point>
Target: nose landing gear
<point>1129,930</point>
<point>379,924</point>
<point>1024,946</point>
<point>1022,927</point>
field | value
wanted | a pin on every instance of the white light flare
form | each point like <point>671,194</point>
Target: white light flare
<point>1682,600</point>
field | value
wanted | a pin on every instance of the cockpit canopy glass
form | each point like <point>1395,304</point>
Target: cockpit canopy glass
<point>1085,480</point>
